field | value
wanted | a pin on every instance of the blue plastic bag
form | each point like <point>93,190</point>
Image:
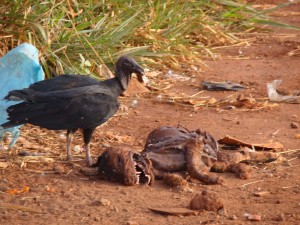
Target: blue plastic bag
<point>18,69</point>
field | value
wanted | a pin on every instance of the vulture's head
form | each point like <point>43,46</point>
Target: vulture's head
<point>125,66</point>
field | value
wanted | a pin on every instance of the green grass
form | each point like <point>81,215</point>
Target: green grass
<point>78,36</point>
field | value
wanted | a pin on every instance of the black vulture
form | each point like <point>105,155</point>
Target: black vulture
<point>71,102</point>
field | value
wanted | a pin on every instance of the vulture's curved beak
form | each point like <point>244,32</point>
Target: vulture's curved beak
<point>141,75</point>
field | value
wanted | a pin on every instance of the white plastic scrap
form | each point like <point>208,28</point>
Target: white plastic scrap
<point>274,96</point>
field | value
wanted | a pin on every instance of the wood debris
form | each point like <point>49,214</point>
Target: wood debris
<point>174,211</point>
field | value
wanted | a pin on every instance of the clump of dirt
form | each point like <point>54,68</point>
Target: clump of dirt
<point>174,180</point>
<point>208,201</point>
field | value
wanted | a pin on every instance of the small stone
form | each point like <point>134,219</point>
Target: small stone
<point>221,212</point>
<point>101,202</point>
<point>233,217</point>
<point>185,189</point>
<point>104,202</point>
<point>281,217</point>
<point>96,218</point>
<point>62,136</point>
<point>252,217</point>
<point>131,223</point>
<point>134,103</point>
<point>261,193</point>
<point>124,192</point>
<point>294,125</point>
<point>258,189</point>
<point>114,208</point>
<point>4,217</point>
<point>77,149</point>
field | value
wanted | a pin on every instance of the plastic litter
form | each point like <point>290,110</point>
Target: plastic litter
<point>19,68</point>
<point>222,86</point>
<point>274,96</point>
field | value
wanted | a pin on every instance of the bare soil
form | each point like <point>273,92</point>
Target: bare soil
<point>62,193</point>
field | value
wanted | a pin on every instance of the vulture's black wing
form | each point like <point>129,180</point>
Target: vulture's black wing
<point>85,110</point>
<point>30,95</point>
<point>63,82</point>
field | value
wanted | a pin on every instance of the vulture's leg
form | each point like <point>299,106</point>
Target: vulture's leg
<point>15,136</point>
<point>70,134</point>
<point>87,134</point>
<point>1,138</point>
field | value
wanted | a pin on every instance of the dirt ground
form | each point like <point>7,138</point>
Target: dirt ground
<point>60,193</point>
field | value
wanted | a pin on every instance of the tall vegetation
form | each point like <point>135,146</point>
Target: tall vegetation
<point>79,35</point>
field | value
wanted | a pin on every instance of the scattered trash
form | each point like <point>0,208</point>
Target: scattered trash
<point>276,97</point>
<point>222,86</point>
<point>174,211</point>
<point>243,102</point>
<point>231,102</point>
<point>227,140</point>
<point>208,201</point>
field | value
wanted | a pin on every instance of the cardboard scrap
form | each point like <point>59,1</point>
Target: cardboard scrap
<point>227,140</point>
<point>135,87</point>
